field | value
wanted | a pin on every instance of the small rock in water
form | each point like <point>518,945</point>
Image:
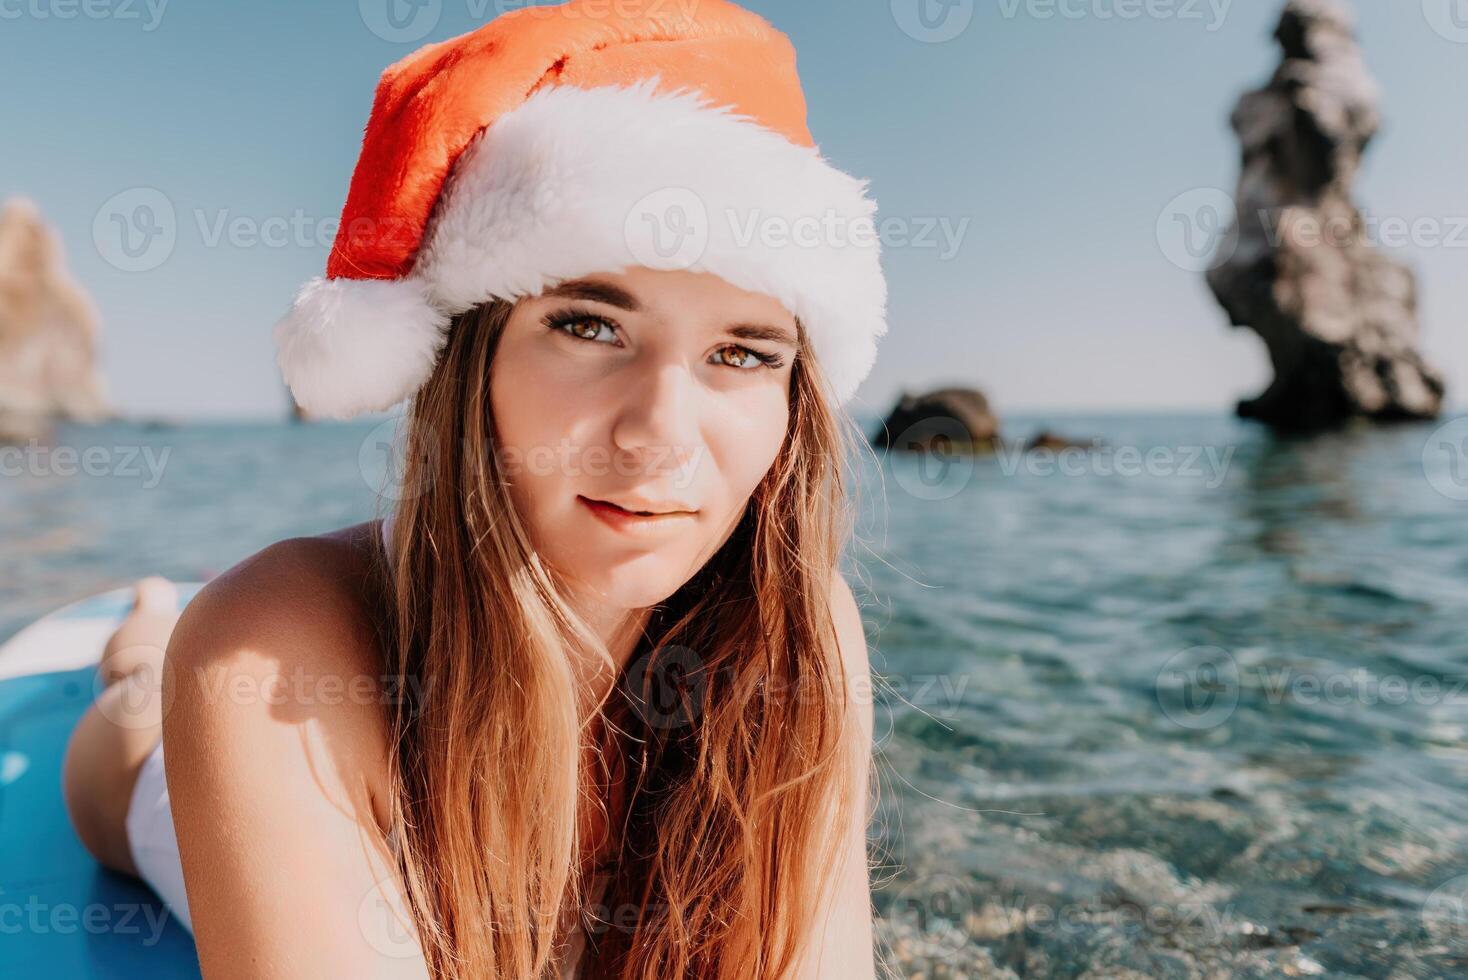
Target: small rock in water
<point>944,420</point>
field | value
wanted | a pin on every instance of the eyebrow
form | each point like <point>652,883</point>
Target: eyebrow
<point>596,291</point>
<point>601,291</point>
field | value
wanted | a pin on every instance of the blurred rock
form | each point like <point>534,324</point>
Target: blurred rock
<point>48,332</point>
<point>1054,441</point>
<point>945,419</point>
<point>1338,317</point>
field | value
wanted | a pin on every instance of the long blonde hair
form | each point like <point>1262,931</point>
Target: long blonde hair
<point>735,787</point>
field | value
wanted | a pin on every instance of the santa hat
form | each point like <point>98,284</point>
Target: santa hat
<point>555,142</point>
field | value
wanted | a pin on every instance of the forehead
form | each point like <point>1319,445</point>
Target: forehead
<point>660,293</point>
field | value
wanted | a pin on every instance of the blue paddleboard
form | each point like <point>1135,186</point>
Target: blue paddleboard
<point>63,915</point>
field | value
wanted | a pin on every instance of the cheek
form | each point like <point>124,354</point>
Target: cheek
<point>745,444</point>
<point>529,425</point>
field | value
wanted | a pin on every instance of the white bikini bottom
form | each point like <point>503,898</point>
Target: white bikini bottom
<point>151,837</point>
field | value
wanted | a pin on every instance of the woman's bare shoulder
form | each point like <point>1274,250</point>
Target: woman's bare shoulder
<point>288,636</point>
<point>275,737</point>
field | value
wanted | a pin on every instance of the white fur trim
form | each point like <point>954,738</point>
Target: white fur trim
<point>350,346</point>
<point>576,181</point>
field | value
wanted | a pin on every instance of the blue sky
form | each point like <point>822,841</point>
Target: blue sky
<point>1048,137</point>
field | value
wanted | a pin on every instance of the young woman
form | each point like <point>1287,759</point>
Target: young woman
<point>592,700</point>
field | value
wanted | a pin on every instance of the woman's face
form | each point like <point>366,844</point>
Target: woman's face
<point>656,390</point>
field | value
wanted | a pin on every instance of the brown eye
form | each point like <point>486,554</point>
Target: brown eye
<point>735,356</point>
<point>746,359</point>
<point>581,326</point>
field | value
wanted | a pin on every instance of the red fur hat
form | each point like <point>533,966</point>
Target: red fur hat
<point>555,142</point>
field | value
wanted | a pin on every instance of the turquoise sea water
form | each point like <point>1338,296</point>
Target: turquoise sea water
<point>1194,704</point>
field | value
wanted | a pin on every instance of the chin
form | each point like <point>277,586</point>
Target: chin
<point>630,583</point>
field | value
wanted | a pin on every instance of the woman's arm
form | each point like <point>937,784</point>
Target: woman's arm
<point>841,945</point>
<point>273,738</point>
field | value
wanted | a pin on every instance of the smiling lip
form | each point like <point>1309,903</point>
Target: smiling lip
<point>626,520</point>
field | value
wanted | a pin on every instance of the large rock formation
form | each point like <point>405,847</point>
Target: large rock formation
<point>1339,318</point>
<point>946,419</point>
<point>48,332</point>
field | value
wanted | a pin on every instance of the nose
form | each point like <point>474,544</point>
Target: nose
<point>658,422</point>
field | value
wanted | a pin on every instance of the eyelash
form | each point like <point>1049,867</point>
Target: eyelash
<point>558,321</point>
